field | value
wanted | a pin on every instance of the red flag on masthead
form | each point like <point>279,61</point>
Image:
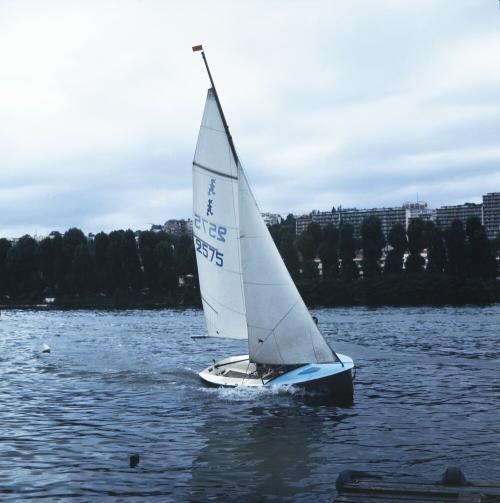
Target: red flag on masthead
<point>197,48</point>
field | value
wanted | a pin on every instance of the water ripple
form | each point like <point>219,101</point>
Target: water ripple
<point>116,383</point>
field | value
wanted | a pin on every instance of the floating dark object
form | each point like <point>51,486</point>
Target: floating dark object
<point>453,476</point>
<point>355,487</point>
<point>348,476</point>
<point>134,460</point>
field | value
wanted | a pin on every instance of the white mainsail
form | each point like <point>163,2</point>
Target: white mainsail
<point>245,286</point>
<point>216,227</point>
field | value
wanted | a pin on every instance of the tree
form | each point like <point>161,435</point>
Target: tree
<point>5,246</point>
<point>308,246</point>
<point>436,251</point>
<point>129,259</point>
<point>372,239</point>
<point>480,261</point>
<point>415,232</point>
<point>496,244</point>
<point>116,274</point>
<point>328,251</point>
<point>347,253</point>
<point>399,244</point>
<point>82,269</point>
<point>455,248</point>
<point>164,258</point>
<point>289,221</point>
<point>288,251</point>
<point>21,267</point>
<point>496,247</point>
<point>58,262</point>
<point>71,239</point>
<point>184,256</point>
<point>102,281</point>
<point>472,225</point>
<point>147,243</point>
<point>45,262</point>
<point>275,231</point>
<point>314,230</point>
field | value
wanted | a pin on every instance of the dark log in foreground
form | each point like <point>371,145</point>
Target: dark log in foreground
<point>362,487</point>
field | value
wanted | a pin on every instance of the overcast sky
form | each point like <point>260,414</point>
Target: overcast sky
<point>357,103</point>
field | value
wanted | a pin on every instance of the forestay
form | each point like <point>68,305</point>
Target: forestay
<point>280,328</point>
<point>216,227</point>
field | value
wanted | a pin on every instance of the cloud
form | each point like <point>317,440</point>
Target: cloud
<point>353,103</point>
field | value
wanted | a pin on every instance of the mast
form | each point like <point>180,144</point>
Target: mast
<point>216,225</point>
<point>197,48</point>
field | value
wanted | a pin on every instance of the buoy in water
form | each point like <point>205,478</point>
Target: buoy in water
<point>134,460</point>
<point>46,348</point>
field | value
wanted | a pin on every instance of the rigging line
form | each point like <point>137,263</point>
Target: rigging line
<point>221,304</point>
<point>278,347</point>
<point>208,304</point>
<point>313,346</point>
<point>286,314</point>
<point>263,284</point>
<point>214,129</point>
<point>311,338</point>
<point>328,345</point>
<point>277,324</point>
<point>218,365</point>
<point>246,373</point>
<point>235,191</point>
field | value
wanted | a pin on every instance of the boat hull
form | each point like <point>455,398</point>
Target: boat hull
<point>324,378</point>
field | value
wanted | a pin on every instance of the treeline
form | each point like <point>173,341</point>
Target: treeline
<point>160,269</point>
<point>461,250</point>
<point>460,264</point>
<point>70,263</point>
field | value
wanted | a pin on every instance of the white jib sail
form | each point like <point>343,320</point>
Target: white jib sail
<point>280,328</point>
<point>216,228</point>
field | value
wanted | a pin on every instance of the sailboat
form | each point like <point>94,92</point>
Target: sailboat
<point>246,290</point>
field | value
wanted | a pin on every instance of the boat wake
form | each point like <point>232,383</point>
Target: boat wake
<point>250,393</point>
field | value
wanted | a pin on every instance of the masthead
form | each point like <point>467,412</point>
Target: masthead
<point>197,48</point>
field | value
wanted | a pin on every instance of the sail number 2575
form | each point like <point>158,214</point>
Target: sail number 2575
<point>209,252</point>
<point>213,230</point>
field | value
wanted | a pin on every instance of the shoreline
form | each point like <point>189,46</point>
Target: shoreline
<point>397,291</point>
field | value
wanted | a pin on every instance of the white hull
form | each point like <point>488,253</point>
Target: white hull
<point>239,371</point>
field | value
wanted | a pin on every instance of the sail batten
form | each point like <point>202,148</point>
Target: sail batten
<point>218,173</point>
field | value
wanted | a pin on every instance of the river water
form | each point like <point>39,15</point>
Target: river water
<point>427,395</point>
